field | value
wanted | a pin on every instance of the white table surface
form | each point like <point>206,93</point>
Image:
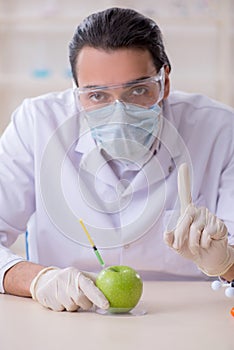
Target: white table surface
<point>180,315</point>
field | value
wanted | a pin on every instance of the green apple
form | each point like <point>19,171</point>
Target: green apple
<point>122,286</point>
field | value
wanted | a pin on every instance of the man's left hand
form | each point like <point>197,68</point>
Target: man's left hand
<point>199,235</point>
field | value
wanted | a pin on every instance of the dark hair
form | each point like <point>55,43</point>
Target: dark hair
<point>117,28</point>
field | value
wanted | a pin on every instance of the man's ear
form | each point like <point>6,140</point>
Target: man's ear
<point>167,82</point>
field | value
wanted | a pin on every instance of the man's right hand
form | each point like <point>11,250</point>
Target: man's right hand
<point>66,289</point>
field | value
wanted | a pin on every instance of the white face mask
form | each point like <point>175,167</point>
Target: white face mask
<point>126,132</point>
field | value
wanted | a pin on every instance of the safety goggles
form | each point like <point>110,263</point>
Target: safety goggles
<point>144,92</point>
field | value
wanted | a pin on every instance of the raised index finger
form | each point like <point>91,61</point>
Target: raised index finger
<point>184,188</point>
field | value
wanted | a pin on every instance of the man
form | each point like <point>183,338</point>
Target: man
<point>108,152</point>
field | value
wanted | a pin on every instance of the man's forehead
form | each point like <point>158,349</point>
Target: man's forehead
<point>97,67</point>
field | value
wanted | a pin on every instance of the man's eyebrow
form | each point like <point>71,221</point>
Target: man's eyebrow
<point>138,80</point>
<point>115,85</point>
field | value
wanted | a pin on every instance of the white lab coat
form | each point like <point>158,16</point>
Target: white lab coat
<point>51,175</point>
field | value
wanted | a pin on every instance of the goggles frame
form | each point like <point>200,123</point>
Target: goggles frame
<point>158,78</point>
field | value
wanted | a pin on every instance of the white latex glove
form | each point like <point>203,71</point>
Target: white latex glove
<point>66,289</point>
<point>199,235</point>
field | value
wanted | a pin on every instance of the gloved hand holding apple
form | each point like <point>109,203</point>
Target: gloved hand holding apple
<point>122,286</point>
<point>66,289</point>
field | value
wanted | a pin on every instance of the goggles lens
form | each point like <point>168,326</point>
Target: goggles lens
<point>144,93</point>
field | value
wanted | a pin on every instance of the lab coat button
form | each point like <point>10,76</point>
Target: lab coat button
<point>127,246</point>
<point>170,169</point>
